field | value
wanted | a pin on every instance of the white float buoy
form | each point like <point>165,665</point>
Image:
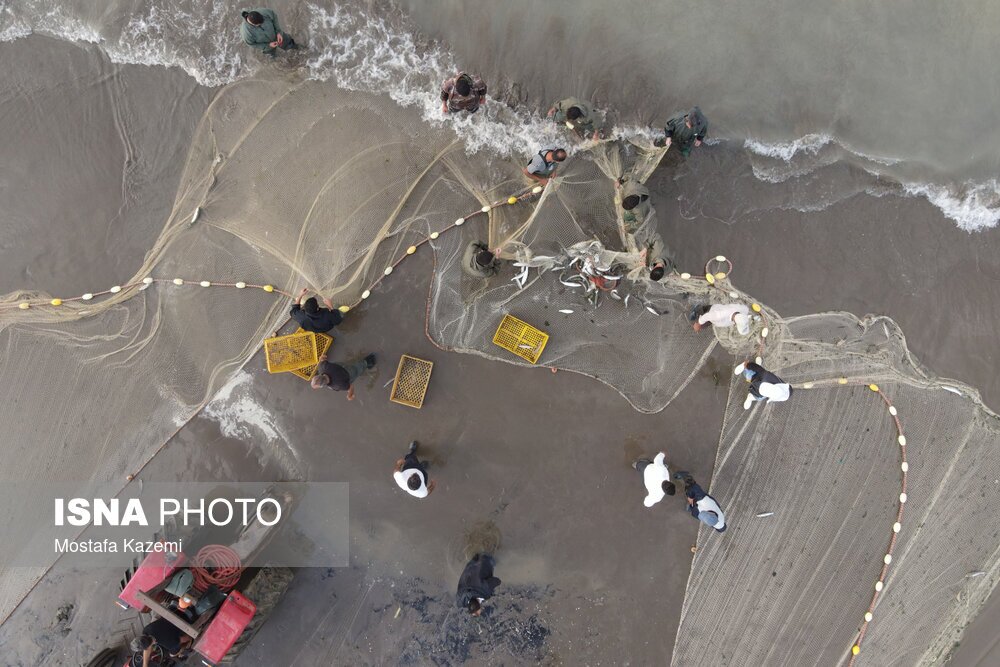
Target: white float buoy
<point>486,209</point>
<point>896,527</point>
<point>904,466</point>
<point>178,281</point>
<point>901,440</point>
<point>808,385</point>
<point>147,280</point>
<point>535,190</point>
<point>892,410</point>
<point>367,293</point>
<point>758,360</point>
<point>240,285</point>
<point>764,332</point>
<point>720,258</point>
<point>87,297</point>
<point>878,585</point>
<point>205,283</point>
<point>686,275</point>
<point>868,617</point>
<point>434,235</point>
<point>388,270</point>
<point>887,559</point>
<point>116,289</point>
<point>460,222</point>
<point>902,498</point>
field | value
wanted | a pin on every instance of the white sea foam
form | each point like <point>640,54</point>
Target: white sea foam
<point>240,416</point>
<point>974,206</point>
<point>786,150</point>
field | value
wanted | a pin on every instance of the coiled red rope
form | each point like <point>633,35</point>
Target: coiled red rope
<point>216,565</point>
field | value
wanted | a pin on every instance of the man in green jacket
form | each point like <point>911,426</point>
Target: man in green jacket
<point>685,131</point>
<point>261,31</point>
<point>577,115</point>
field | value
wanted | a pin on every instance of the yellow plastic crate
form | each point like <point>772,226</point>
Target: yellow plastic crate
<point>412,377</point>
<point>520,338</point>
<point>323,343</point>
<point>291,352</point>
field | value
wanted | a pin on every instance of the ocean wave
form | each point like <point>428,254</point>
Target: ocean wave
<point>972,206</point>
<point>786,150</point>
<point>381,54</point>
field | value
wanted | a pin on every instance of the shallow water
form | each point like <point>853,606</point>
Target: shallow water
<point>902,89</point>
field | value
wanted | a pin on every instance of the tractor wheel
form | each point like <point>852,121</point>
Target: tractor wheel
<point>109,657</point>
<point>264,590</point>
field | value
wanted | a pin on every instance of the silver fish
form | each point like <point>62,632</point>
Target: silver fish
<point>568,312</point>
<point>626,299</point>
<point>650,309</point>
<point>764,514</point>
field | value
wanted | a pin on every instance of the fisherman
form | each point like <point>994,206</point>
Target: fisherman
<point>479,261</point>
<point>261,31</point>
<point>313,318</point>
<point>462,92</point>
<point>635,203</point>
<point>685,130</point>
<point>656,477</point>
<point>577,115</point>
<point>764,385</point>
<point>476,584</point>
<point>411,474</point>
<point>701,505</point>
<point>543,164</point>
<point>338,377</point>
<point>164,634</point>
<point>722,315</point>
<point>655,258</point>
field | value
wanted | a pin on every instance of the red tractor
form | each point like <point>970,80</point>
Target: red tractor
<point>211,597</point>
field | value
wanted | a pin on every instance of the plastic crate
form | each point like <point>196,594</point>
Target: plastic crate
<point>412,377</point>
<point>323,343</point>
<point>520,338</point>
<point>291,352</point>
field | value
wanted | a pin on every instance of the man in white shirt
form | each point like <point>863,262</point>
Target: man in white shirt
<point>656,477</point>
<point>723,315</point>
<point>411,474</point>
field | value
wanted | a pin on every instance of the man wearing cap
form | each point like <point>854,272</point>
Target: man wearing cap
<point>575,114</point>
<point>722,316</point>
<point>260,30</point>
<point>685,130</point>
<point>479,261</point>
<point>462,92</point>
<point>764,385</point>
<point>701,505</point>
<point>313,318</point>
<point>543,164</point>
<point>635,204</point>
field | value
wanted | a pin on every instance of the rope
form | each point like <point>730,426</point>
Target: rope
<point>216,565</point>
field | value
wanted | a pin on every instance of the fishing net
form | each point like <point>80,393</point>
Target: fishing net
<point>292,183</point>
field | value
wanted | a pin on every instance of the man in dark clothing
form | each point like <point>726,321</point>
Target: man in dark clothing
<point>479,261</point>
<point>764,385</point>
<point>164,634</point>
<point>313,318</point>
<point>476,584</point>
<point>685,131</point>
<point>340,378</point>
<point>462,92</point>
<point>701,505</point>
<point>261,31</point>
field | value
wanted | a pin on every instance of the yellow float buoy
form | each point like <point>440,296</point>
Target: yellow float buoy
<point>855,649</point>
<point>24,305</point>
<point>755,307</point>
<point>268,288</point>
<point>710,278</point>
<point>720,275</point>
<point>512,200</point>
<point>873,387</point>
<point>56,302</point>
<point>344,309</point>
<point>842,381</point>
<point>412,249</point>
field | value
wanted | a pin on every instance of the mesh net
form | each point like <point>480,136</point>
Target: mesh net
<point>294,183</point>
